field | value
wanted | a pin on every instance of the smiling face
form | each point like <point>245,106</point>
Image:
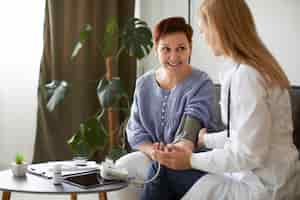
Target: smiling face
<point>174,50</point>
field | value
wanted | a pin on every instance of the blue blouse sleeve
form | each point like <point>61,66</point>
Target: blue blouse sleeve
<point>136,133</point>
<point>200,102</point>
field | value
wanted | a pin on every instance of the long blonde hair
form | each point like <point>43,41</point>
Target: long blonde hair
<point>232,22</point>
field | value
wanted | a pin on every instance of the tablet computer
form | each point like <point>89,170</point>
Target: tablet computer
<point>88,180</point>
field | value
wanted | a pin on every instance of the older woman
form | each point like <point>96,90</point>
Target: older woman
<point>165,99</point>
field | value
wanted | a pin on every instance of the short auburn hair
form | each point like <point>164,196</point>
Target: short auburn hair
<point>172,25</point>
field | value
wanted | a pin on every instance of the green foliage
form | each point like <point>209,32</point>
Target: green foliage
<point>83,36</point>
<point>110,92</point>
<point>136,39</point>
<point>56,91</point>
<point>111,38</point>
<point>91,137</point>
<point>19,158</point>
<point>116,153</point>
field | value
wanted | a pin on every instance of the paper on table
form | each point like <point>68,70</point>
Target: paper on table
<point>71,166</point>
<point>68,168</point>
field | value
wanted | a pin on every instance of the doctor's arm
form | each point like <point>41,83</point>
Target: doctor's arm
<point>212,140</point>
<point>249,145</point>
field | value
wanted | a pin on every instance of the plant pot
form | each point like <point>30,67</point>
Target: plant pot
<point>80,159</point>
<point>19,169</point>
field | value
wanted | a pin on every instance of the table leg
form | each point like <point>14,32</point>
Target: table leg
<point>6,196</point>
<point>73,196</point>
<point>102,196</point>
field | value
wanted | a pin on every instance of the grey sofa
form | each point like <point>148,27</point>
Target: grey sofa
<point>295,96</point>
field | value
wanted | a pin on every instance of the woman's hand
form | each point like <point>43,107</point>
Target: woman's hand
<point>201,134</point>
<point>157,146</point>
<point>150,148</point>
<point>174,157</point>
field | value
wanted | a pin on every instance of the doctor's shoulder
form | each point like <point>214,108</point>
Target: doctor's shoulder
<point>249,79</point>
<point>248,73</point>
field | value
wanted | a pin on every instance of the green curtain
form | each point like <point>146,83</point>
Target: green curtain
<point>63,21</point>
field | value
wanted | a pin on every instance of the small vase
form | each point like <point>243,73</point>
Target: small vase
<point>19,169</point>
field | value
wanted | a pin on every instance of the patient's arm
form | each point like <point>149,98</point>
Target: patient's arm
<point>187,132</point>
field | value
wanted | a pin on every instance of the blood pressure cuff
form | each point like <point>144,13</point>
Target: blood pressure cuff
<point>188,129</point>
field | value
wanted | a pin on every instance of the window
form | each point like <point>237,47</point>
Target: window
<point>21,41</point>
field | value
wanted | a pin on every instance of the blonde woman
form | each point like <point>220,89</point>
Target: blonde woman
<point>255,157</point>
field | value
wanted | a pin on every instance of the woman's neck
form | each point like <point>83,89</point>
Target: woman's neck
<point>167,79</point>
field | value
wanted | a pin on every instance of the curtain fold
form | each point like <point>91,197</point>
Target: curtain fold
<point>63,21</point>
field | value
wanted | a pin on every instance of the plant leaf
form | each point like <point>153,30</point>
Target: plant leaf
<point>110,92</point>
<point>90,138</point>
<point>111,37</point>
<point>116,153</point>
<point>102,84</point>
<point>76,142</point>
<point>56,91</point>
<point>94,134</point>
<point>83,36</point>
<point>19,158</point>
<point>136,38</point>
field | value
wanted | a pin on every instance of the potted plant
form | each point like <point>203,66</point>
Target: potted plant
<point>94,134</point>
<point>19,166</point>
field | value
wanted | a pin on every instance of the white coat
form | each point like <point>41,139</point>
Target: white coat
<point>259,158</point>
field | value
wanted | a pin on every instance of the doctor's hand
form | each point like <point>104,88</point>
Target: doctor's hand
<point>174,157</point>
<point>201,134</point>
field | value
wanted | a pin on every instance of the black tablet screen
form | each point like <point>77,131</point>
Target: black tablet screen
<point>88,180</point>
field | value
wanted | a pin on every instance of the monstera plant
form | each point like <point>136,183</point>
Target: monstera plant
<point>94,134</point>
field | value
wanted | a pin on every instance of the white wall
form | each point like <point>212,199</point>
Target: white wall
<point>277,22</point>
<point>20,49</point>
<point>152,12</point>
